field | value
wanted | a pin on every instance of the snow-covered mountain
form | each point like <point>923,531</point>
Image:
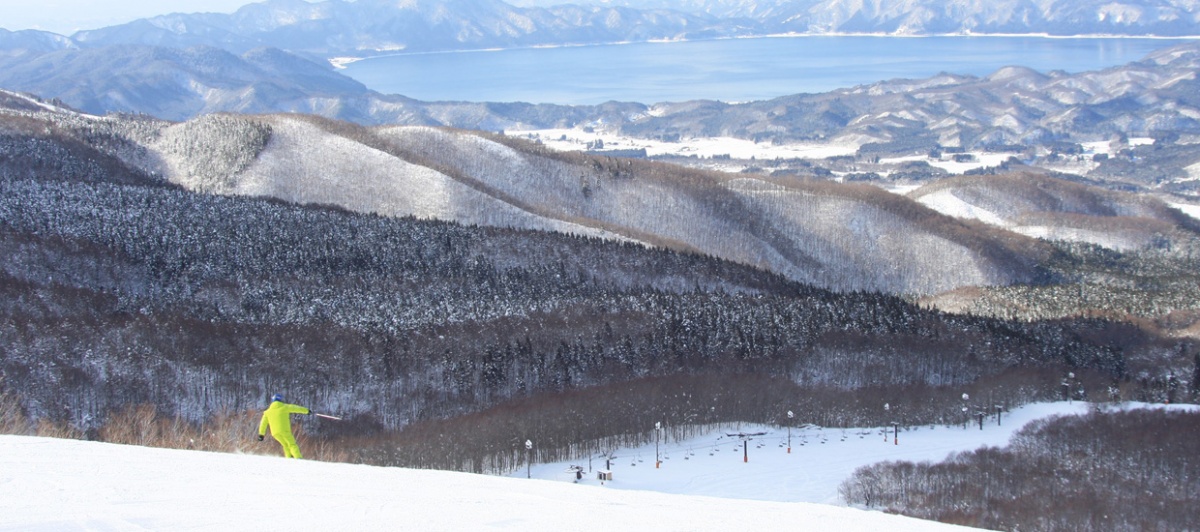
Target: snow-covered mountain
<point>1012,106</point>
<point>841,236</point>
<point>31,42</point>
<point>366,27</point>
<point>177,83</point>
<point>831,235</point>
<point>332,28</point>
<point>1055,17</point>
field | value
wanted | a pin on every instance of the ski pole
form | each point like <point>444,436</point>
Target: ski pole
<point>327,416</point>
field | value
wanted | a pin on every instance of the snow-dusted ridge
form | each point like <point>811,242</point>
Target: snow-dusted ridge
<point>843,237</point>
<point>40,105</point>
<point>1043,207</point>
<point>319,28</point>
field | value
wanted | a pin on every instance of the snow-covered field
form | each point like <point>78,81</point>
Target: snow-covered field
<point>1188,209</point>
<point>978,159</point>
<point>56,485</point>
<point>743,150</point>
<point>821,458</point>
<point>578,140</point>
<point>703,484</point>
<point>739,150</point>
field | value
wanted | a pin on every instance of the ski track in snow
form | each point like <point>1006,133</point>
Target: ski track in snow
<point>947,203</point>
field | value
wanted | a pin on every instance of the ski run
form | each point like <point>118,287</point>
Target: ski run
<point>706,483</point>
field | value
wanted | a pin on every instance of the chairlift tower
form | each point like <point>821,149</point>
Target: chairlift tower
<point>746,437</point>
<point>657,456</point>
<point>790,416</point>
<point>528,450</point>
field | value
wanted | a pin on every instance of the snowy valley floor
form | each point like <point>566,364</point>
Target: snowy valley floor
<point>715,465</point>
<point>703,484</point>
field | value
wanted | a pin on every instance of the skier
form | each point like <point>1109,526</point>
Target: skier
<point>278,417</point>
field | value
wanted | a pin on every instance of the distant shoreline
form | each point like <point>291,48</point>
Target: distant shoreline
<point>341,62</point>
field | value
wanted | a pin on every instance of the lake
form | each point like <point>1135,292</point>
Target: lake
<point>731,70</point>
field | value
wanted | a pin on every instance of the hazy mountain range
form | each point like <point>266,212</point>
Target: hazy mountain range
<point>1014,106</point>
<point>271,57</point>
<point>1055,17</point>
<point>366,27</point>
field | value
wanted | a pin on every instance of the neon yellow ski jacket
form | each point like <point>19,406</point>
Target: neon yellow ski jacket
<point>277,418</point>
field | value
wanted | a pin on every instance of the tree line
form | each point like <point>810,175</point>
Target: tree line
<point>1108,470</point>
<point>118,295</point>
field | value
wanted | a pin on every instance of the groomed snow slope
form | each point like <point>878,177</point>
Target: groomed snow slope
<point>821,458</point>
<point>49,484</point>
<point>704,484</point>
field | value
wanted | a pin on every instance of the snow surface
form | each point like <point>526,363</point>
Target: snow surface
<point>54,485</point>
<point>1188,209</point>
<point>821,458</point>
<point>980,159</point>
<point>703,484</point>
<point>945,202</point>
<point>575,139</point>
<point>347,173</point>
<point>49,107</point>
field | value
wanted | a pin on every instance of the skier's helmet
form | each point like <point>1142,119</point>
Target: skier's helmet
<point>277,397</point>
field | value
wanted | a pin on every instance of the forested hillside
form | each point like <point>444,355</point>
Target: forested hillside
<point>452,293</point>
<point>206,302</point>
<point>1057,209</point>
<point>842,237</point>
<point>1057,474</point>
<point>118,294</point>
<point>121,287</point>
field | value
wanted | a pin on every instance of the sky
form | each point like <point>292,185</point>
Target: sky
<point>68,16</point>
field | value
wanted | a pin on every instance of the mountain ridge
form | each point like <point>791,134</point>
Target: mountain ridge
<point>1041,206</point>
<point>839,236</point>
<point>821,233</point>
<point>1012,106</point>
<point>333,28</point>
